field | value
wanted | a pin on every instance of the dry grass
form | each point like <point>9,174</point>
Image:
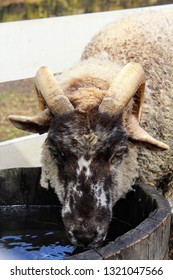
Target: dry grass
<point>16,98</point>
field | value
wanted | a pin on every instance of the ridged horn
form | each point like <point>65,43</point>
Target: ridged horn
<point>51,92</point>
<point>130,79</point>
<point>130,83</point>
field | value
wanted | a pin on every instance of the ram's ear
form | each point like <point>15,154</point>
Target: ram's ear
<point>136,132</point>
<point>39,123</point>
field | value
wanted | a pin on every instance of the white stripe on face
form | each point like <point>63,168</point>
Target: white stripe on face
<point>99,194</point>
<point>84,166</point>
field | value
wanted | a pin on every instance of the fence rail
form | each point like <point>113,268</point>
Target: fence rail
<point>55,42</point>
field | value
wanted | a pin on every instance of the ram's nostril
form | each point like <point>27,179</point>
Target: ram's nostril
<point>85,238</point>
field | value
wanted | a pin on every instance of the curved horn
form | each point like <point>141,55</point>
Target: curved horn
<point>129,83</point>
<point>51,92</point>
<point>130,79</point>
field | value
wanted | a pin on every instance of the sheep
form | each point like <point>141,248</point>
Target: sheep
<point>95,148</point>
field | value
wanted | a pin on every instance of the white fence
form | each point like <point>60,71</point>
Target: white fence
<point>55,42</point>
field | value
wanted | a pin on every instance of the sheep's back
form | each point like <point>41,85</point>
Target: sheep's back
<point>146,39</point>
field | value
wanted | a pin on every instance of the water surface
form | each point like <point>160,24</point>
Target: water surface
<point>36,234</point>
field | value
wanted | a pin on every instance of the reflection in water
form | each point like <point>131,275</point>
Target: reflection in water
<point>35,245</point>
<point>37,232</point>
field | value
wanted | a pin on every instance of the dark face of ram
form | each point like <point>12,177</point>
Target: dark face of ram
<point>85,145</point>
<point>89,147</point>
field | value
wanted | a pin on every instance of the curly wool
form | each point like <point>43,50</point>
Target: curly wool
<point>146,39</point>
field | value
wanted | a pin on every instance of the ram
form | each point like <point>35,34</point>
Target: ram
<point>109,122</point>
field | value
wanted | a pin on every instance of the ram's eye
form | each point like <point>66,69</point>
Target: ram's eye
<point>62,155</point>
<point>118,155</point>
<point>114,157</point>
<point>57,154</point>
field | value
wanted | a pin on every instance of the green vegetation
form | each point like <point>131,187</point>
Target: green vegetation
<point>30,9</point>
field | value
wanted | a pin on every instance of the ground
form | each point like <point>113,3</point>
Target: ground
<point>19,98</point>
<point>16,98</point>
